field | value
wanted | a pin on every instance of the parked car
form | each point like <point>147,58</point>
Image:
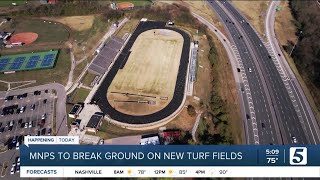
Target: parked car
<point>8,98</point>
<point>26,125</point>
<point>22,109</point>
<point>43,131</point>
<point>12,170</point>
<point>37,93</point>
<point>49,131</point>
<point>18,169</point>
<point>18,161</point>
<point>17,145</point>
<point>33,106</point>
<point>1,130</point>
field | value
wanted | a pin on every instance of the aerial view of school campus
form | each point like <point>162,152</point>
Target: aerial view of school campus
<point>158,72</point>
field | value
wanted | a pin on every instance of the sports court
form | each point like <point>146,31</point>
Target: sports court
<point>28,61</point>
<point>145,83</point>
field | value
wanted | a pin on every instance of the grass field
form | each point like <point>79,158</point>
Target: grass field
<point>79,95</point>
<point>48,32</point>
<point>128,27</point>
<point>89,38</point>
<point>77,23</point>
<point>58,74</point>
<point>255,11</point>
<point>7,67</point>
<point>88,78</point>
<point>151,69</point>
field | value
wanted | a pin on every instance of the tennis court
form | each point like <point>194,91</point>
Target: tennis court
<point>28,61</point>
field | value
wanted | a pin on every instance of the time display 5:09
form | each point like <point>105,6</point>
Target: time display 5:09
<point>272,151</point>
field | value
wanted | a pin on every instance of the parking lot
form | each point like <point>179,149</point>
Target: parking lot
<point>30,113</point>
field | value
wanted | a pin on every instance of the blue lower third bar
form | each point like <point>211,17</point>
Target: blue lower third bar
<point>177,155</point>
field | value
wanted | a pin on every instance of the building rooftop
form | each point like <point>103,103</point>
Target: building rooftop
<point>94,121</point>
<point>75,109</point>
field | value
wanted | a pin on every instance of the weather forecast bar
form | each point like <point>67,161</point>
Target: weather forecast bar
<point>176,171</point>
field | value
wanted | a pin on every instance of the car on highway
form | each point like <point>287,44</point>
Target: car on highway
<point>263,125</point>
<point>294,139</point>
<point>250,70</point>
<point>45,101</point>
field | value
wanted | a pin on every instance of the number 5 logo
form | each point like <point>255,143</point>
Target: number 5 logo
<point>298,156</point>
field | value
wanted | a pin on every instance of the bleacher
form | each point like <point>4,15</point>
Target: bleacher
<point>106,56</point>
<point>193,64</point>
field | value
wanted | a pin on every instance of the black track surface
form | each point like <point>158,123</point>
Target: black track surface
<point>100,96</point>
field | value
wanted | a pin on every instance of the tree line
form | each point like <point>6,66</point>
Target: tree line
<point>306,54</point>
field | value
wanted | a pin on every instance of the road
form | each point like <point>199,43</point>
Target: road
<point>273,104</point>
<point>297,94</point>
<point>258,100</point>
<point>195,126</point>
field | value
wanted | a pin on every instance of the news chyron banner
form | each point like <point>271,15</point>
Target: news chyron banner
<point>64,157</point>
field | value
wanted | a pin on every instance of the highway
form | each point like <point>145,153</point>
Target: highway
<point>273,102</point>
<point>261,119</point>
<point>297,95</point>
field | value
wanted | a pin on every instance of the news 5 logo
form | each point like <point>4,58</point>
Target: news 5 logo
<point>298,156</point>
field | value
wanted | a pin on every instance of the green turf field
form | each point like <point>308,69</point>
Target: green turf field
<point>136,2</point>
<point>4,3</point>
<point>10,62</point>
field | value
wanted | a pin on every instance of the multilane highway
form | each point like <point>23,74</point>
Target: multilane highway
<point>273,104</point>
<point>261,119</point>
